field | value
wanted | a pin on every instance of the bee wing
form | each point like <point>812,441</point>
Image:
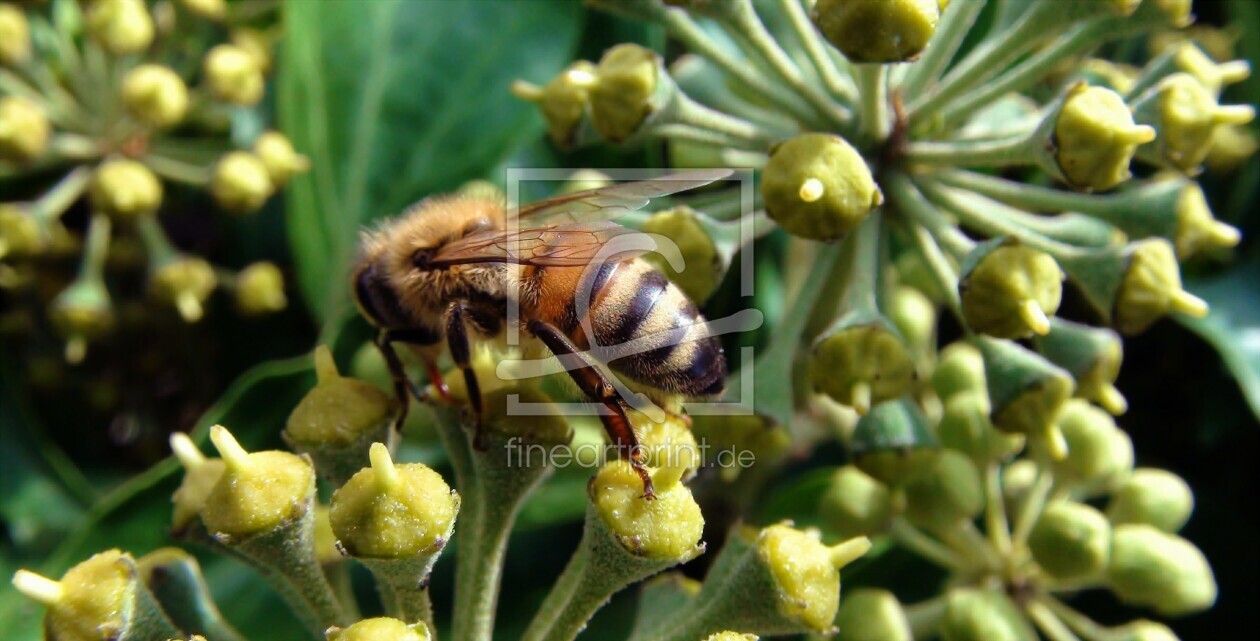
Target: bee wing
<point>565,245</point>
<point>609,202</point>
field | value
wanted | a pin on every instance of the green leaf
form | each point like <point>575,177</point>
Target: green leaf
<point>394,100</point>
<point>1233,327</point>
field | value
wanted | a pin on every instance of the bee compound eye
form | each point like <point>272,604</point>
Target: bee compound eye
<point>421,258</point>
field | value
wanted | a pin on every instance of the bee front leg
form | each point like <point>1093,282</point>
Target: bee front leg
<point>598,388</point>
<point>461,353</point>
<point>402,384</point>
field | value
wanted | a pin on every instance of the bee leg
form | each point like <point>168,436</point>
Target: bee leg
<point>402,384</point>
<point>461,353</point>
<point>598,388</point>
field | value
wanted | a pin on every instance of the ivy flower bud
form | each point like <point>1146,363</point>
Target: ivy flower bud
<point>702,271</point>
<point>1009,290</point>
<point>1092,355</point>
<point>1176,12</point>
<point>877,30</point>
<point>125,189</point>
<point>99,599</point>
<point>1197,228</point>
<point>1144,630</point>
<point>914,315</point>
<point>667,528</point>
<point>1163,571</point>
<point>241,182</point>
<point>1152,288</point>
<point>1215,76</point>
<point>960,370</point>
<point>234,75</point>
<point>945,494</point>
<point>973,614</point>
<point>1017,479</point>
<point>727,635</point>
<point>625,93</point>
<point>201,474</point>
<point>965,427</point>
<point>1152,497</point>
<point>121,26</point>
<point>1098,452</point>
<point>1095,138</point>
<point>854,504</point>
<point>563,101</point>
<point>861,361</point>
<point>338,421</point>
<point>1071,541</point>
<point>1026,392</point>
<point>668,443</point>
<point>279,157</point>
<point>20,235</point>
<point>185,282</point>
<point>24,130</point>
<point>82,313</point>
<point>260,290</point>
<point>155,95</point>
<point>807,573</point>
<point>15,36</point>
<point>1232,145</point>
<point>817,186</point>
<point>1186,115</point>
<point>258,492</point>
<point>893,443</point>
<point>213,10</point>
<point>872,615</point>
<point>381,629</point>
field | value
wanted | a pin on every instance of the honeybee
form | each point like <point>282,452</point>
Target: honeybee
<point>447,268</point>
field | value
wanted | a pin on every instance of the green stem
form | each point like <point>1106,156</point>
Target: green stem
<point>691,133</point>
<point>689,112</point>
<point>57,200</point>
<point>912,202</point>
<point>75,147</point>
<point>916,541</point>
<point>95,249</point>
<point>178,170</point>
<point>925,617</point>
<point>955,23</point>
<point>996,524</point>
<point>1017,150</point>
<point>1031,508</point>
<point>1085,626</point>
<point>993,219</point>
<point>837,83</point>
<point>1049,623</point>
<point>156,244</point>
<point>562,593</point>
<point>965,539</point>
<point>873,113</point>
<point>338,575</point>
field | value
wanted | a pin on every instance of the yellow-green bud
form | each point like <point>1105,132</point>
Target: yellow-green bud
<point>893,443</point>
<point>20,235</point>
<point>877,30</point>
<point>1096,137</point>
<point>1009,290</point>
<point>1151,289</point>
<point>563,101</point>
<point>668,443</point>
<point>1186,114</point>
<point>155,95</point>
<point>393,511</point>
<point>1144,630</point>
<point>960,370</point>
<point>965,426</point>
<point>1197,228</point>
<point>214,10</point>
<point>1092,355</point>
<point>819,187</point>
<point>731,636</point>
<point>121,26</point>
<point>1153,497</point>
<point>185,282</point>
<point>125,189</point>
<point>584,179</point>
<point>666,528</point>
<point>872,615</point>
<point>241,182</point>
<point>1017,479</point>
<point>257,43</point>
<point>807,572</point>
<point>946,493</point>
<point>1098,452</point>
<point>381,629</point>
<point>854,504</point>
<point>622,97</point>
<point>24,129</point>
<point>258,492</point>
<point>1026,393</point>
<point>914,315</point>
<point>1213,75</point>
<point>861,361</point>
<point>15,36</point>
<point>201,474</point>
<point>1152,568</point>
<point>1105,73</point>
<point>1232,145</point>
<point>234,75</point>
<point>324,540</point>
<point>702,268</point>
<point>260,289</point>
<point>1071,540</point>
<point>280,159</point>
<point>973,614</point>
<point>81,313</point>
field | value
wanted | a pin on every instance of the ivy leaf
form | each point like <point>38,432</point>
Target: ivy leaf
<point>1233,327</point>
<point>394,100</point>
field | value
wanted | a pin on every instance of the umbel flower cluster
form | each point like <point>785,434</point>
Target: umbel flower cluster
<point>110,102</point>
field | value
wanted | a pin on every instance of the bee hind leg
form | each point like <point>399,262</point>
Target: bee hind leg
<point>598,388</point>
<point>461,353</point>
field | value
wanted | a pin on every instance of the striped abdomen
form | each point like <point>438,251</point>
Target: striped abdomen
<point>643,326</point>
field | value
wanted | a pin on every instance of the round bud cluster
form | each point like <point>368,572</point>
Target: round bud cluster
<point>125,190</point>
<point>156,95</point>
<point>818,186</point>
<point>242,182</point>
<point>234,74</point>
<point>24,130</point>
<point>877,30</point>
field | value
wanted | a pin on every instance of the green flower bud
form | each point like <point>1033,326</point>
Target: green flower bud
<point>82,313</point>
<point>1197,228</point>
<point>1105,73</point>
<point>1152,497</point>
<point>947,492</point>
<point>278,156</point>
<point>877,30</point>
<point>965,427</point>
<point>1186,115</point>
<point>872,615</point>
<point>1017,478</point>
<point>1092,355</point>
<point>234,75</point>
<point>960,370</point>
<point>1144,630</point>
<point>563,101</point>
<point>260,290</point>
<point>1232,145</point>
<point>1008,290</point>
<point>731,636</point>
<point>817,186</point>
<point>214,10</point>
<point>1071,541</point>
<point>807,572</point>
<point>201,474</point>
<point>100,599</point>
<point>121,26</point>
<point>20,235</point>
<point>1096,138</point>
<point>241,182</point>
<point>125,189</point>
<point>256,43</point>
<point>258,492</point>
<point>15,36</point>
<point>24,130</point>
<point>769,442</point>
<point>1026,393</point>
<point>1159,570</point>
<point>893,443</point>
<point>1098,452</point>
<point>914,315</point>
<point>185,282</point>
<point>625,92</point>
<point>667,528</point>
<point>155,95</point>
<point>983,615</point>
<point>861,361</point>
<point>338,421</point>
<point>702,270</point>
<point>381,629</point>
<point>854,504</point>
<point>1187,57</point>
<point>585,179</point>
<point>1152,288</point>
